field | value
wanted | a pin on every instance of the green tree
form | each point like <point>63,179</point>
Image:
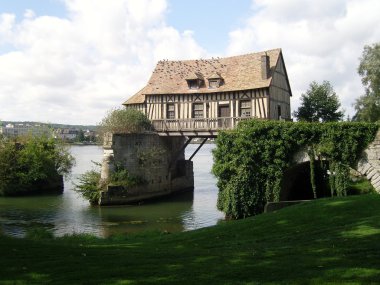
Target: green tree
<point>319,104</point>
<point>80,137</point>
<point>368,106</point>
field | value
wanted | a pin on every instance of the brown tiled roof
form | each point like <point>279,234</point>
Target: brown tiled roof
<point>194,76</point>
<point>138,98</point>
<point>215,76</point>
<point>241,72</point>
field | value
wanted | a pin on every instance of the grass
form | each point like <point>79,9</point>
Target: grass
<point>360,186</point>
<point>328,241</point>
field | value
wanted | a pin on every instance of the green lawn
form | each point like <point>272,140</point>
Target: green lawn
<point>328,241</point>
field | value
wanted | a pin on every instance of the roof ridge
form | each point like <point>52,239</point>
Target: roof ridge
<point>215,58</point>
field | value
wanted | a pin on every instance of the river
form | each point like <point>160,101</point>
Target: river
<point>69,213</point>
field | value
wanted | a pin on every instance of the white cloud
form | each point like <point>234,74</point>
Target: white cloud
<point>7,22</point>
<point>321,40</point>
<point>73,69</point>
<point>29,14</point>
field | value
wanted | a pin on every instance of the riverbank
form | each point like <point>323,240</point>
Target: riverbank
<point>85,143</point>
<point>332,241</point>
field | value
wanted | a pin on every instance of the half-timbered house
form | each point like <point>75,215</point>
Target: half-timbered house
<point>215,93</point>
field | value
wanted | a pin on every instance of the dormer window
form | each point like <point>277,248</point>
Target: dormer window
<point>193,84</point>
<point>195,80</point>
<point>214,81</point>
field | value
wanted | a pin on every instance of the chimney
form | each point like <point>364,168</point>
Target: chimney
<point>265,66</point>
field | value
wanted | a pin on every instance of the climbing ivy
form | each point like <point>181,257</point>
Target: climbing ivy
<point>249,162</point>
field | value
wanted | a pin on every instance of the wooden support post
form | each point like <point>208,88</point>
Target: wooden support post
<point>199,147</point>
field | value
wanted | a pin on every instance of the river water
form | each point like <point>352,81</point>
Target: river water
<point>69,213</point>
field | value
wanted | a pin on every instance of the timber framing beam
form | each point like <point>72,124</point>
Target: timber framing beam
<point>198,148</point>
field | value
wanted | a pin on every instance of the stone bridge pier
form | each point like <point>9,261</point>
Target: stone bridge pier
<point>158,162</point>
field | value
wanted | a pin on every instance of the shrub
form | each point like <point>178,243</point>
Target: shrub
<point>121,177</point>
<point>27,162</point>
<point>122,121</point>
<point>90,185</point>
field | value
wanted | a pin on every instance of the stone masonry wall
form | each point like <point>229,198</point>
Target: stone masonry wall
<point>160,161</point>
<point>368,165</point>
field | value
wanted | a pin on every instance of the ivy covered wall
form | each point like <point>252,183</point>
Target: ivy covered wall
<point>249,162</point>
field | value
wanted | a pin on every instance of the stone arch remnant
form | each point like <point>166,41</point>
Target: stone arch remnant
<point>369,163</point>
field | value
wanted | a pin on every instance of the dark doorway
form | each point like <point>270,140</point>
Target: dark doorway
<point>296,184</point>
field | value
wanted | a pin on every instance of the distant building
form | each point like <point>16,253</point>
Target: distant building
<point>15,130</point>
<point>66,134</point>
<point>90,135</point>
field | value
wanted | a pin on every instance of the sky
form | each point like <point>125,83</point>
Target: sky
<point>71,61</point>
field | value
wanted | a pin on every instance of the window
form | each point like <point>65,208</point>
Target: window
<point>215,80</point>
<point>279,111</point>
<point>198,110</point>
<point>170,113</point>
<point>245,108</point>
<point>193,84</point>
<point>213,83</point>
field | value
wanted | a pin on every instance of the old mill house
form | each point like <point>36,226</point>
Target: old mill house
<point>212,94</point>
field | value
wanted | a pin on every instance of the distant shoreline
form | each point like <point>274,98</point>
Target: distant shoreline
<point>84,143</point>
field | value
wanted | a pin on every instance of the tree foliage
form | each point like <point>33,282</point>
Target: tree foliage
<point>368,106</point>
<point>319,104</point>
<point>26,162</point>
<point>80,137</point>
<point>122,121</point>
<point>369,68</point>
<point>90,186</point>
<point>249,162</point>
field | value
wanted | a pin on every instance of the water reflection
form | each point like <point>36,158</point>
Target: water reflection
<point>69,213</point>
<point>162,215</point>
<point>18,214</point>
